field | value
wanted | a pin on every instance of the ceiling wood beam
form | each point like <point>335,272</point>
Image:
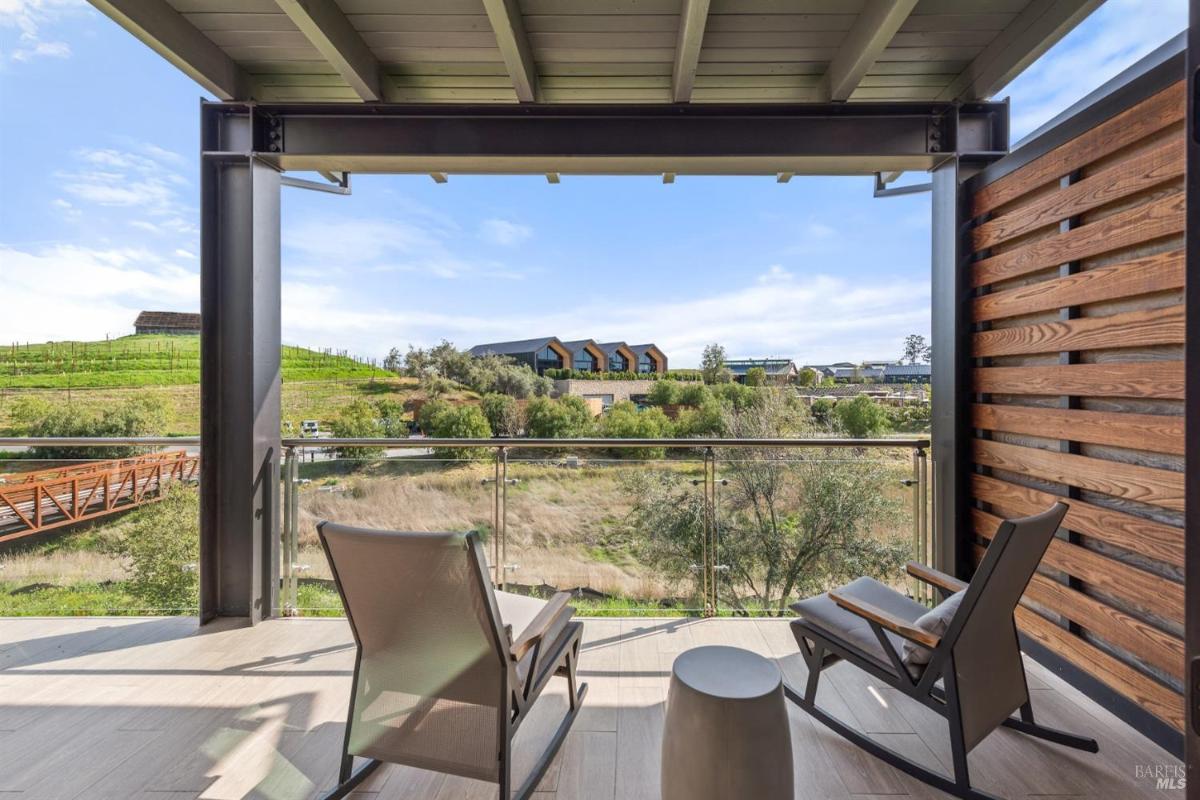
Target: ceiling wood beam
<point>324,24</point>
<point>692,21</point>
<point>870,35</point>
<point>509,27</point>
<point>1033,32</point>
<point>169,34</point>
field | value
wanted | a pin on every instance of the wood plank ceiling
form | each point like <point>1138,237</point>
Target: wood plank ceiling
<point>599,51</point>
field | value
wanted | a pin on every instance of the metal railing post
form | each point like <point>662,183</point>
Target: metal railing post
<point>502,491</point>
<point>923,521</point>
<point>289,550</point>
<point>497,481</point>
<point>710,555</point>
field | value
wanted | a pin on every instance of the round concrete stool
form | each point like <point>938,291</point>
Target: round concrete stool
<point>726,734</point>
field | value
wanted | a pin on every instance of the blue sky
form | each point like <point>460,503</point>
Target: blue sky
<point>98,219</point>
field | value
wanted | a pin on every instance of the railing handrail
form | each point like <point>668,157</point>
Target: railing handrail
<point>587,443</point>
<point>100,441</point>
<point>594,443</point>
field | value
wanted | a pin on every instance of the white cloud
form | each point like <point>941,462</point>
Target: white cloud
<point>1114,37</point>
<point>504,232</point>
<point>41,49</point>
<point>327,246</point>
<point>72,292</point>
<point>29,17</point>
<point>817,318</point>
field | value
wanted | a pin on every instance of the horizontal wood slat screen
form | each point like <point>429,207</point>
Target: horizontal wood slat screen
<point>1077,265</point>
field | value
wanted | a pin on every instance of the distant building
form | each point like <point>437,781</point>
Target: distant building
<point>649,358</point>
<point>175,323</point>
<point>907,373</point>
<point>779,370</point>
<point>618,356</point>
<point>584,355</point>
<point>855,374</point>
<point>538,354</point>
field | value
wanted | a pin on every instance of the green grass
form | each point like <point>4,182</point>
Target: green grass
<point>110,598</point>
<point>148,360</point>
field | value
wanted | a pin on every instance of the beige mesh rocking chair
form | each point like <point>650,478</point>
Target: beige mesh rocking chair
<point>446,668</point>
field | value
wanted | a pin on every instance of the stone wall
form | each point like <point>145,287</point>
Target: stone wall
<point>620,390</point>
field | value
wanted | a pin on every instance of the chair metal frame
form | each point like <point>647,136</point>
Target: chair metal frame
<point>548,659</point>
<point>820,648</point>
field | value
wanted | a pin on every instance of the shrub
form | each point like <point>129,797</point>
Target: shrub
<point>461,422</point>
<point>664,393</point>
<point>822,410</point>
<point>391,418</point>
<point>503,414</point>
<point>735,396</point>
<point>705,421</point>
<point>862,417</point>
<point>756,376</point>
<point>358,421</point>
<point>624,421</point>
<point>163,548</point>
<point>137,416</point>
<point>565,418</point>
<point>696,395</point>
<point>428,413</point>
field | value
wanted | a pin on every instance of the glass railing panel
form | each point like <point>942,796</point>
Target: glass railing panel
<point>793,522</point>
<point>623,531</point>
<point>99,531</point>
<point>396,489</point>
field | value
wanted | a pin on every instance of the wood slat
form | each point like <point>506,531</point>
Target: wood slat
<point>1153,646</point>
<point>1141,328</point>
<point>1157,379</point>
<point>1147,591</point>
<point>1158,487</point>
<point>1142,223</point>
<point>1154,697</point>
<point>1155,273</point>
<point>1163,109</point>
<point>1159,433</point>
<point>1146,537</point>
<point>1144,171</point>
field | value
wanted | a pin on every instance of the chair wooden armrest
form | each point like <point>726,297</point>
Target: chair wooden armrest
<point>543,622</point>
<point>934,577</point>
<point>886,619</point>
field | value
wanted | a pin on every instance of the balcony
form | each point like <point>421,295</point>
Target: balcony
<point>156,709</point>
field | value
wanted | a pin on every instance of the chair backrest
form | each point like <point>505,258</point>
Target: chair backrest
<point>430,681</point>
<point>990,678</point>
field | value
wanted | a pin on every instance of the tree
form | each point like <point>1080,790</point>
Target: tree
<point>756,376</point>
<point>461,422</point>
<point>394,362</point>
<point>358,420</point>
<point>822,410</point>
<point>862,417</point>
<point>428,413</point>
<point>806,377</point>
<point>712,364</point>
<point>137,416</point>
<point>704,421</point>
<point>916,351</point>
<point>790,524</point>
<point>503,414</point>
<point>391,418</point>
<point>162,547</point>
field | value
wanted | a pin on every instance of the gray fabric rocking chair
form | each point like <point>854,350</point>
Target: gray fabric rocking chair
<point>446,668</point>
<point>972,674</point>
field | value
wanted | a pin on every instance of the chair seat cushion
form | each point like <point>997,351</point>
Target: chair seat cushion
<point>823,614</point>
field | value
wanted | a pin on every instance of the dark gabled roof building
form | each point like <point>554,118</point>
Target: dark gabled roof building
<point>907,373</point>
<point>649,358</point>
<point>584,355</point>
<point>618,357</point>
<point>169,322</point>
<point>539,355</point>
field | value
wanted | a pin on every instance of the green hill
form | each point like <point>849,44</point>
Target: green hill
<point>149,360</point>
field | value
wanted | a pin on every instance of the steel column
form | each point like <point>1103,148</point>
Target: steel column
<point>239,373</point>
<point>951,371</point>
